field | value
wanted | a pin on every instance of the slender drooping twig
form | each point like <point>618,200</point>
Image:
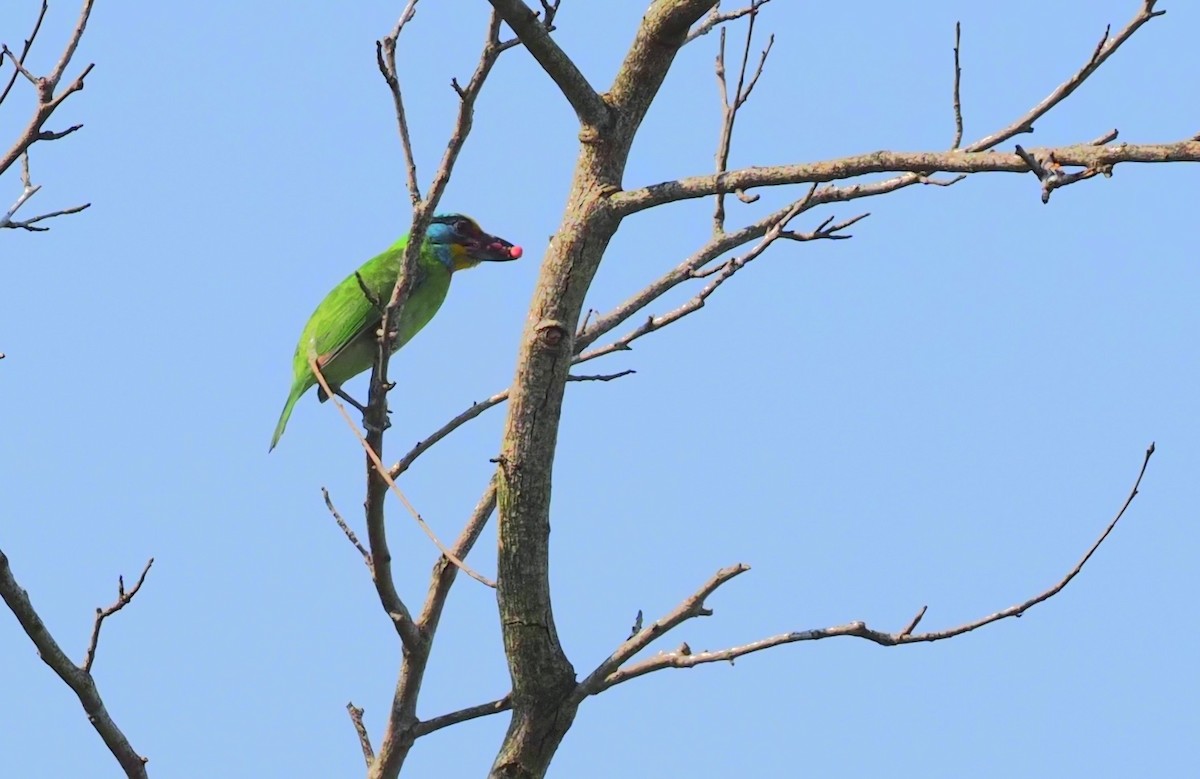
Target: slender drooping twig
<point>379,468</point>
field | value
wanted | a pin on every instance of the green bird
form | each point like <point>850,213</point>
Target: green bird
<point>343,330</point>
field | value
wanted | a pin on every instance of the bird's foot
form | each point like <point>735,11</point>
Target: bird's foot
<point>387,423</point>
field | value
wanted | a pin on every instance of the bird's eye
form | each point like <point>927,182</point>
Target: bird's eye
<point>463,227</point>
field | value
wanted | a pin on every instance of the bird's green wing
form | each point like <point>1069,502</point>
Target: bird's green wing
<point>348,314</point>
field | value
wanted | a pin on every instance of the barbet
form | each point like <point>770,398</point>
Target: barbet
<point>343,330</point>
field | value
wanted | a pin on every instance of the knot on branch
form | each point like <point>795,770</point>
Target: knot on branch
<point>550,334</point>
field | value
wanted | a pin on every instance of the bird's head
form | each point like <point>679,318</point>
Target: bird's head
<point>461,243</point>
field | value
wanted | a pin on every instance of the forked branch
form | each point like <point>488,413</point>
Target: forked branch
<point>608,674</point>
<point>77,677</point>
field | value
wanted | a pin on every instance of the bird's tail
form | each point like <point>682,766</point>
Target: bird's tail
<point>283,418</point>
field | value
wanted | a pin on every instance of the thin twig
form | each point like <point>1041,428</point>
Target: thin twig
<point>691,607</point>
<point>123,598</point>
<point>1104,49</point>
<point>731,105</point>
<point>958,118</point>
<point>601,376</point>
<point>385,57</point>
<point>29,189</point>
<point>19,62</point>
<point>721,274</point>
<point>474,410</point>
<point>716,17</point>
<point>685,658</point>
<point>364,738</point>
<point>349,533</point>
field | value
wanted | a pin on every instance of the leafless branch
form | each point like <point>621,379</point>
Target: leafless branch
<point>474,410</point>
<point>29,189</point>
<point>1104,49</point>
<point>462,715</point>
<point>385,58</point>
<point>351,536</point>
<point>690,608</point>
<point>958,120</point>
<point>76,677</point>
<point>970,159</point>
<point>398,733</point>
<point>722,273</point>
<point>606,323</point>
<point>589,106</point>
<point>716,18</point>
<point>376,417</point>
<point>731,105</point>
<point>46,85</point>
<point>380,558</point>
<point>403,727</point>
<point>608,674</point>
<point>1087,156</point>
<point>123,598</point>
<point>19,62</point>
<point>601,376</point>
<point>364,738</point>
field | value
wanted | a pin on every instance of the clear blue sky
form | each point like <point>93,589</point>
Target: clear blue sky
<point>945,410</point>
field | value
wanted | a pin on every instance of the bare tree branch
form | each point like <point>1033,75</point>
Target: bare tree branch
<point>351,536</point>
<point>48,101</point>
<point>731,106</point>
<point>1091,157</point>
<point>364,738</point>
<point>403,727</point>
<point>424,445</point>
<point>958,118</point>
<point>718,246</point>
<point>608,675</point>
<point>123,599</point>
<point>690,608</point>
<point>589,106</point>
<point>76,677</point>
<point>716,18</point>
<point>723,273</point>
<point>385,57</point>
<point>1104,49</point>
<point>398,731</point>
<point>29,190</point>
<point>542,675</point>
<point>462,715</point>
<point>19,63</point>
<point>1096,159</point>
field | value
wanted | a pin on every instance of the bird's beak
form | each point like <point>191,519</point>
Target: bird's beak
<point>491,248</point>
